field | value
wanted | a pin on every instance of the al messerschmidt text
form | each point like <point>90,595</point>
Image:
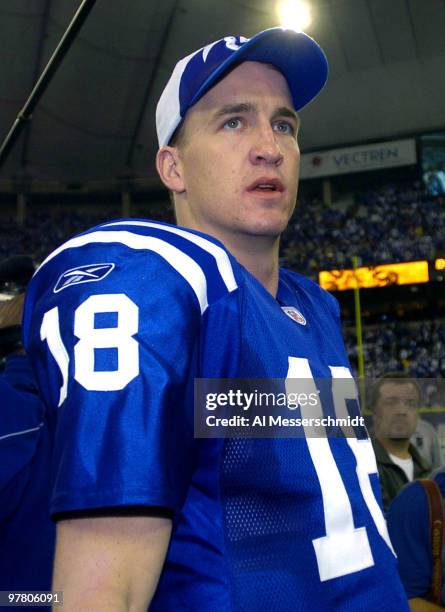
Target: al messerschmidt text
<point>274,421</point>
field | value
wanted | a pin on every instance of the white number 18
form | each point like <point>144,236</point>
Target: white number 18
<point>92,338</point>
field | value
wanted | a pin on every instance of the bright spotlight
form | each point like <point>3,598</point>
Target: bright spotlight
<point>294,15</point>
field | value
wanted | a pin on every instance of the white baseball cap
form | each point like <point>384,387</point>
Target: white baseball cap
<point>295,54</point>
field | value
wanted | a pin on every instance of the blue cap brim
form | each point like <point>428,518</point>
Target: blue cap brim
<point>295,54</point>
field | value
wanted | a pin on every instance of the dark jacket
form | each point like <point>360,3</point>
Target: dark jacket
<point>392,477</point>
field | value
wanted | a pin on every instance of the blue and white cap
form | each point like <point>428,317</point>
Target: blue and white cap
<point>295,54</point>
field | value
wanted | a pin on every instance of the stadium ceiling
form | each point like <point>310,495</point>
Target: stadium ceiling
<point>96,119</point>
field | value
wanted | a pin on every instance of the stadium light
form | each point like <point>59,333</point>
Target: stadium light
<point>294,15</point>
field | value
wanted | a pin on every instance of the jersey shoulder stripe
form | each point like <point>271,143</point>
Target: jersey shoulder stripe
<point>204,267</point>
<point>184,264</point>
<point>219,253</point>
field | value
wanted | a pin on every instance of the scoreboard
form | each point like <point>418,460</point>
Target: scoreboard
<point>383,275</point>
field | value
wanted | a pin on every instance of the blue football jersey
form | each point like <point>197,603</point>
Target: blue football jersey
<point>27,533</point>
<point>410,529</point>
<point>119,322</point>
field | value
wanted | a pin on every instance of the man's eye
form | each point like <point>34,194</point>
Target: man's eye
<point>233,124</point>
<point>284,127</point>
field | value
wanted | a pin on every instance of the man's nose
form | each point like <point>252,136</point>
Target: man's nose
<point>401,407</point>
<point>265,148</point>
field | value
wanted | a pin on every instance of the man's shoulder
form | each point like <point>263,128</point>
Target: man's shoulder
<point>136,249</point>
<point>380,452</point>
<point>422,467</point>
<point>161,268</point>
<point>18,373</point>
<point>411,499</point>
<point>439,477</point>
<point>131,237</point>
<point>425,428</point>
<point>414,493</point>
<point>301,280</point>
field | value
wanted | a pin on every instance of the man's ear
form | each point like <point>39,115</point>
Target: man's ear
<point>169,168</point>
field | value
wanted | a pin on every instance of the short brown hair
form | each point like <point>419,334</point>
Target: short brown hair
<point>396,377</point>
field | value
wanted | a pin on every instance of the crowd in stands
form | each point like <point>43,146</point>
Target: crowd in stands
<point>417,348</point>
<point>45,228</point>
<point>391,224</point>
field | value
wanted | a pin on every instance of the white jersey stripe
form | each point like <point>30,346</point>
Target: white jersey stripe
<point>21,433</point>
<point>182,263</point>
<point>221,257</point>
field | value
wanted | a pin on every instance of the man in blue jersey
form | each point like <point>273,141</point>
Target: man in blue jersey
<point>120,322</point>
<point>409,524</point>
<point>27,535</point>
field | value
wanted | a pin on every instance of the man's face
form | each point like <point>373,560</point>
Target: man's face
<point>240,156</point>
<point>395,414</point>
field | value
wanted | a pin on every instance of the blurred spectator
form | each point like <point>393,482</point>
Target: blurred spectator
<point>427,443</point>
<point>386,225</point>
<point>27,534</point>
<point>46,228</point>
<point>409,527</point>
<point>394,400</point>
<point>415,348</point>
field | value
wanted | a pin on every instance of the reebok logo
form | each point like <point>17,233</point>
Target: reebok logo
<point>83,274</point>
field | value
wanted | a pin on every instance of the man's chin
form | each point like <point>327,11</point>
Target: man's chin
<point>266,229</point>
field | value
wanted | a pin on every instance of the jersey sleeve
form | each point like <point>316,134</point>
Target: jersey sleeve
<point>112,334</point>
<point>21,419</point>
<point>409,531</point>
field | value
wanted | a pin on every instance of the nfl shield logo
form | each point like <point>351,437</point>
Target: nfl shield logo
<point>294,314</point>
